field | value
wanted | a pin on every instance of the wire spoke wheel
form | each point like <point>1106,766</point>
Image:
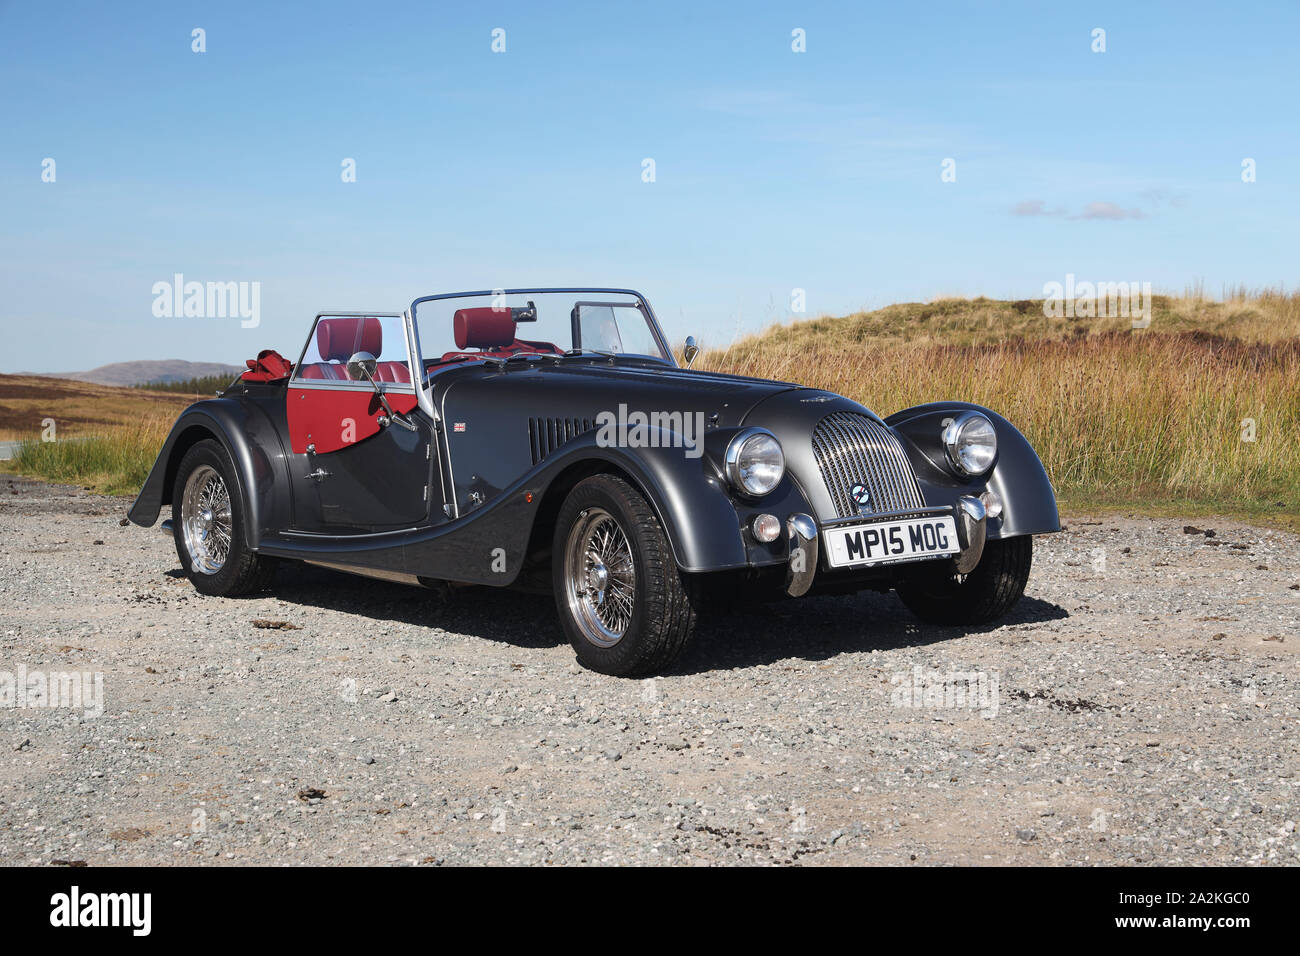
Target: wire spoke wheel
<point>624,605</point>
<point>600,577</point>
<point>206,520</point>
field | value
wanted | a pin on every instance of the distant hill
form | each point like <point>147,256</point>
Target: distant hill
<point>146,372</point>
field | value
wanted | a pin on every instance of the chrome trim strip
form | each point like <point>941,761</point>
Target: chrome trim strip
<point>349,537</point>
<point>449,489</point>
<point>416,359</point>
<point>424,398</point>
<point>889,516</point>
<point>350,386</point>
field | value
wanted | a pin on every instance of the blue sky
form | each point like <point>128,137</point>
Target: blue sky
<point>774,170</point>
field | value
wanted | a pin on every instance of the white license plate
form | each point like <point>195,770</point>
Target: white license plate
<point>891,542</point>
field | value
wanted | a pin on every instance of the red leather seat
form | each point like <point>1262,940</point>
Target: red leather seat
<point>338,339</point>
<point>323,370</point>
<point>483,328</point>
<point>393,372</point>
<point>492,331</point>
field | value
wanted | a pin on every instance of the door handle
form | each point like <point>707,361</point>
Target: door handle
<point>385,420</point>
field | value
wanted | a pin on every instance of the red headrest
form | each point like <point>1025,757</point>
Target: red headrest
<point>484,328</point>
<point>339,339</point>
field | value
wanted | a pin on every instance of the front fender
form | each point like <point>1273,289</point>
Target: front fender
<point>1018,476</point>
<point>251,442</point>
<point>688,495</point>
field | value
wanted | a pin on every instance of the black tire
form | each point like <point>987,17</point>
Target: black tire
<point>662,604</point>
<point>242,571</point>
<point>984,595</point>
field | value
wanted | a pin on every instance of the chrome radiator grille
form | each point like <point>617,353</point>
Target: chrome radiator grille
<point>852,449</point>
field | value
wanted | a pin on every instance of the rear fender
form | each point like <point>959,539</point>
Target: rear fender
<point>251,441</point>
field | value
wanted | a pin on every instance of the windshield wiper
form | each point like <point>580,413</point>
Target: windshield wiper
<point>573,353</point>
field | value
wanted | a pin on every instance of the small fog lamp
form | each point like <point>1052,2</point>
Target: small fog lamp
<point>767,528</point>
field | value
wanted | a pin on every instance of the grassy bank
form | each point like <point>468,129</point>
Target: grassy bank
<point>1264,316</point>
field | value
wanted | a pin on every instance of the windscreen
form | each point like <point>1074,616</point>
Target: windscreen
<point>500,325</point>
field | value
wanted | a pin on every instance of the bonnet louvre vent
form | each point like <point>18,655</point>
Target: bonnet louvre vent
<point>547,434</point>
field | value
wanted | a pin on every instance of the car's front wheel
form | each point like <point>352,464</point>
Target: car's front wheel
<point>208,525</point>
<point>938,596</point>
<point>624,604</point>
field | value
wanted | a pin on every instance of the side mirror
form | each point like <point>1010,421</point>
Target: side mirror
<point>362,367</point>
<point>690,350</point>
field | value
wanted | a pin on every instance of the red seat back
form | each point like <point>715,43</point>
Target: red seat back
<point>341,337</point>
<point>392,372</point>
<point>338,339</point>
<point>484,328</point>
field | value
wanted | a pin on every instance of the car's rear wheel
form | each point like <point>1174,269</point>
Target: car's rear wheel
<point>624,605</point>
<point>938,596</point>
<point>208,525</point>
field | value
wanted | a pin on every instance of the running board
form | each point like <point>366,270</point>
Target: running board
<point>397,577</point>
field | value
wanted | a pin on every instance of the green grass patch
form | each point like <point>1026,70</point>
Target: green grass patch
<point>1280,513</point>
<point>114,463</point>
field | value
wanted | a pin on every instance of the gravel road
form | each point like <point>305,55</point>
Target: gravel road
<point>1138,707</point>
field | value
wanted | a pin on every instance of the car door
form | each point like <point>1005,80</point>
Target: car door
<point>360,469</point>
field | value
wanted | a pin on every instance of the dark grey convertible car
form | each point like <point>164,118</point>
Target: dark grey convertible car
<point>546,438</point>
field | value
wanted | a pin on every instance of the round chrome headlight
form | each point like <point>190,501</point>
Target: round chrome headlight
<point>971,443</point>
<point>755,462</point>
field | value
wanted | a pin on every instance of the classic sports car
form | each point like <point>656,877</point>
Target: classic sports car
<point>437,447</point>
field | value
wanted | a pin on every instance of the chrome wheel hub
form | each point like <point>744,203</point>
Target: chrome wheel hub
<point>600,577</point>
<point>205,520</point>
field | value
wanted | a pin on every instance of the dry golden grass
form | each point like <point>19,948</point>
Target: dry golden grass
<point>78,408</point>
<point>1119,416</point>
<point>107,437</point>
